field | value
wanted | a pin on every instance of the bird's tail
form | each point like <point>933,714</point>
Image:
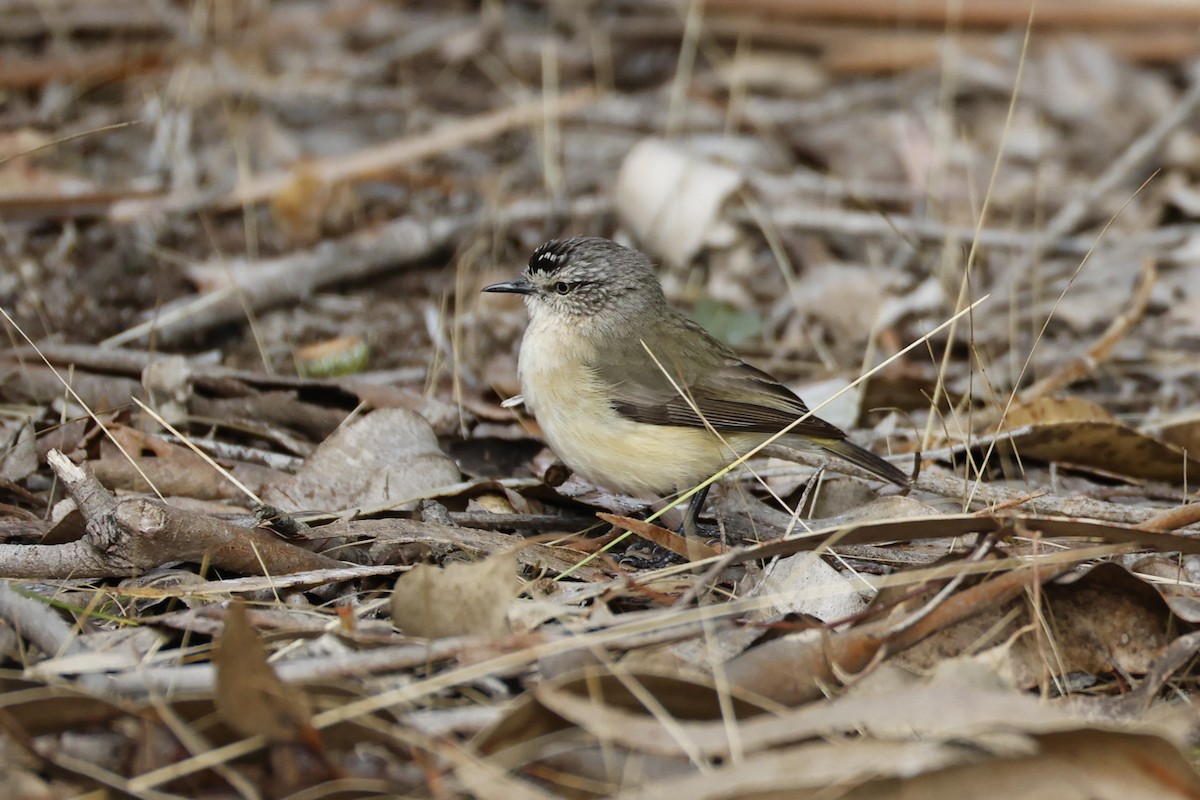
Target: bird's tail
<point>844,448</point>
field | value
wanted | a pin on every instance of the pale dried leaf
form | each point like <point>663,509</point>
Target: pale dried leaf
<point>250,697</point>
<point>1077,432</point>
<point>672,199</point>
<point>18,452</point>
<point>388,457</point>
<point>458,600</point>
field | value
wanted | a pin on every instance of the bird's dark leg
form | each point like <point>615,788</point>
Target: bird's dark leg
<point>691,517</point>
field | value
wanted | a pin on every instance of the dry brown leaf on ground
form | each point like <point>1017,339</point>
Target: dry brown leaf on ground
<point>387,459</point>
<point>1183,432</point>
<point>18,451</point>
<point>1076,432</point>
<point>649,721</point>
<point>884,728</point>
<point>1079,765</point>
<point>960,728</point>
<point>1105,621</point>
<point>249,695</point>
<point>458,599</point>
<point>1175,579</point>
<point>679,545</point>
<point>800,668</point>
<point>172,470</point>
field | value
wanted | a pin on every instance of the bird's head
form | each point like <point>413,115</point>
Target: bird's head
<point>586,279</point>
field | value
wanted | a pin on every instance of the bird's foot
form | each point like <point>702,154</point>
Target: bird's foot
<point>646,555</point>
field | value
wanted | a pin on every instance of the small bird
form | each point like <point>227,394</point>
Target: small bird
<point>636,397</point>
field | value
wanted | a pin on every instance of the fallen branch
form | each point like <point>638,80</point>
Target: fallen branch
<point>262,284</point>
<point>134,534</point>
<point>254,285</point>
<point>38,623</point>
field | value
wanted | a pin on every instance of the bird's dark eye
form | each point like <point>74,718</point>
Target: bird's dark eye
<point>562,287</point>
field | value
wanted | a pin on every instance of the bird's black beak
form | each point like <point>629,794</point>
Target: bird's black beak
<point>518,286</point>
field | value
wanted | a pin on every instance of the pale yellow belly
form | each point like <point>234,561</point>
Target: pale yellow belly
<point>606,448</point>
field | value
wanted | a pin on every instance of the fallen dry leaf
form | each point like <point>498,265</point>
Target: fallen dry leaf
<point>1076,432</point>
<point>250,697</point>
<point>688,548</point>
<point>1104,621</point>
<point>673,197</point>
<point>457,600</point>
<point>386,459</point>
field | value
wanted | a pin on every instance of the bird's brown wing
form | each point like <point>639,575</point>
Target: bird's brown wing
<point>730,395</point>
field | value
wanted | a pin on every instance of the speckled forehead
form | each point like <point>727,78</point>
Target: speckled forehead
<point>549,257</point>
